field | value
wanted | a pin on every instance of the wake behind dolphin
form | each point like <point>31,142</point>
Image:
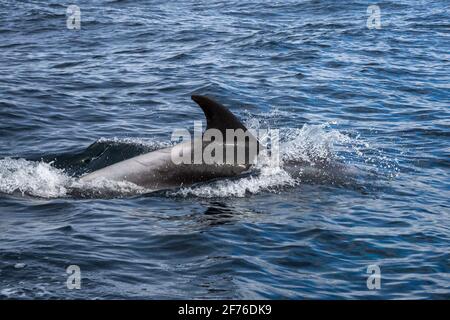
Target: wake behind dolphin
<point>157,170</point>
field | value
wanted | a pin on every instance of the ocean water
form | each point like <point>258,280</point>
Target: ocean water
<point>374,101</point>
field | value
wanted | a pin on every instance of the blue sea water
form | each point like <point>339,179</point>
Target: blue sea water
<point>374,100</point>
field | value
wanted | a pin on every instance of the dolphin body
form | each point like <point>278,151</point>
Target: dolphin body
<point>156,170</point>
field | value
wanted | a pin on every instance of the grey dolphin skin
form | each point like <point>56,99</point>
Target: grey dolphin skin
<point>156,170</point>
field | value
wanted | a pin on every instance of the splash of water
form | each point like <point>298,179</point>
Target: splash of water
<point>313,145</point>
<point>40,179</point>
<point>269,177</point>
<point>310,145</point>
<point>33,178</point>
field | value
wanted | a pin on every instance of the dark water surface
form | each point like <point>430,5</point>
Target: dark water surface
<point>375,101</point>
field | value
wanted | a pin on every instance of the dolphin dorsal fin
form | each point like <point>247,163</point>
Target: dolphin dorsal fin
<point>217,116</point>
<point>220,118</point>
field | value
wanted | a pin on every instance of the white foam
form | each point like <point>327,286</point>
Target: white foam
<point>33,178</point>
<point>270,177</point>
<point>40,179</point>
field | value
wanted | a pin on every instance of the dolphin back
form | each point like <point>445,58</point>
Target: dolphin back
<point>156,170</point>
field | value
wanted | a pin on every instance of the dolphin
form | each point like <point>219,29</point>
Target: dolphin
<point>156,170</point>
